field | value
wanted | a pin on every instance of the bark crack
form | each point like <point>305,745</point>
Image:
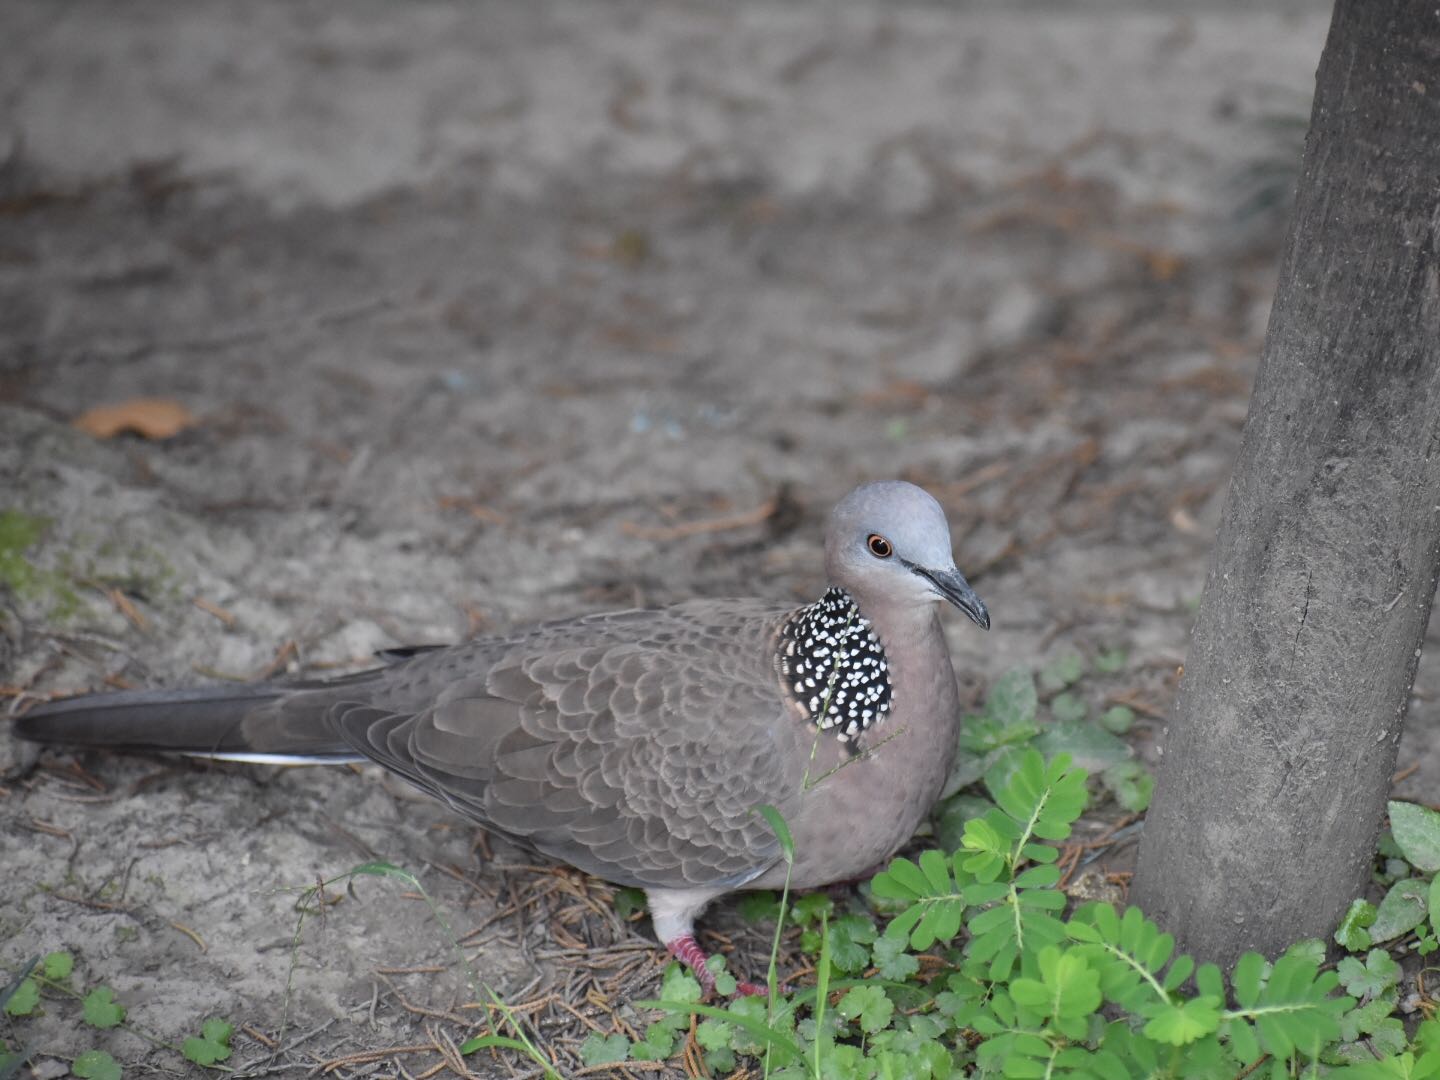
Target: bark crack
<point>1304,613</point>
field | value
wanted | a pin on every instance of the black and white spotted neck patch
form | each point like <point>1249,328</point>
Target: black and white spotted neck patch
<point>834,666</point>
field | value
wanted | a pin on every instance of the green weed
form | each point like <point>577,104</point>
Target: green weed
<point>1016,983</point>
<point>49,979</point>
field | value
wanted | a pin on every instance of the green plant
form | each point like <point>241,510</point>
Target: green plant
<point>1018,988</point>
<point>969,960</point>
<point>50,976</point>
<point>1018,714</point>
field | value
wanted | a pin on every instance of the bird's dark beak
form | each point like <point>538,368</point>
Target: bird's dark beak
<point>953,587</point>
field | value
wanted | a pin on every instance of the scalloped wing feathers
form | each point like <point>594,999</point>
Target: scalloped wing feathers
<point>633,745</point>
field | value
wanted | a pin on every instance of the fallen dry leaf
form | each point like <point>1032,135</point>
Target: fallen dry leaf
<point>150,418</point>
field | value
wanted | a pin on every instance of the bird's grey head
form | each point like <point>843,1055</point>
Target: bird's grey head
<point>888,544</point>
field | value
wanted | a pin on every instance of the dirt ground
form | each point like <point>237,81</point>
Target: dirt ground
<point>490,312</point>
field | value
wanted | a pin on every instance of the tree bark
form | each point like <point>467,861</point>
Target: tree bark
<point>1277,763</point>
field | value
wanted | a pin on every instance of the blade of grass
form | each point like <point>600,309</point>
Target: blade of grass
<point>822,992</point>
<point>777,822</point>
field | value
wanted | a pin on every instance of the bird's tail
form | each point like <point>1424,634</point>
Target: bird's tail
<point>246,722</point>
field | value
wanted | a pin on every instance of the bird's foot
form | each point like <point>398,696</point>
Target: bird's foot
<point>687,950</point>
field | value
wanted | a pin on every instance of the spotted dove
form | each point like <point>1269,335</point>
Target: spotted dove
<point>637,745</point>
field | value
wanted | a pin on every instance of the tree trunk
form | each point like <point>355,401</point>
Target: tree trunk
<point>1278,760</point>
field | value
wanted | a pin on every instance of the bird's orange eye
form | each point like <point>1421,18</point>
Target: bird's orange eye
<point>879,546</point>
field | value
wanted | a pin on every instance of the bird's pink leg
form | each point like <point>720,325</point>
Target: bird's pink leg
<point>687,950</point>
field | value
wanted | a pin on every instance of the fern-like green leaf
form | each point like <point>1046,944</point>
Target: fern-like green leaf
<point>1130,1054</point>
<point>937,873</point>
<point>1045,899</point>
<point>935,890</point>
<point>1067,991</point>
<point>1248,978</point>
<point>1178,973</point>
<point>1294,1010</point>
<point>1130,953</point>
<point>988,847</point>
<point>1015,928</point>
<point>902,880</point>
<point>1244,1043</point>
<point>985,892</point>
<point>1015,1044</point>
<point>1039,877</point>
<point>1044,799</point>
<point>1181,1023</point>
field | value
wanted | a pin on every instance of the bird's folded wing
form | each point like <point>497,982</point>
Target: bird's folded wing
<point>641,761</point>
